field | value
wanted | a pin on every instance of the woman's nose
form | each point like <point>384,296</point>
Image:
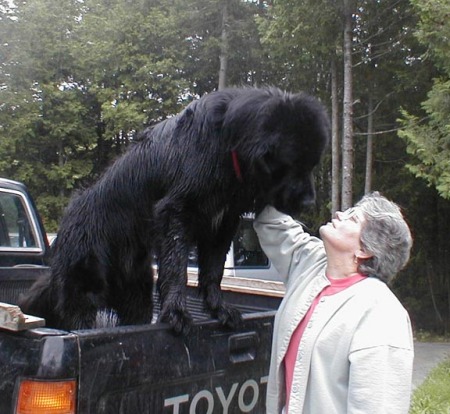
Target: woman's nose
<point>338,215</point>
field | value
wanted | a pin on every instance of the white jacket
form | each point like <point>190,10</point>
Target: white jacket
<point>356,354</point>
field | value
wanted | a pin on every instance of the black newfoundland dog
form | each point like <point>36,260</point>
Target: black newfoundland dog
<point>184,183</point>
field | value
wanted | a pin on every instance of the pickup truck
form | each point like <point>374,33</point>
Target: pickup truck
<point>131,369</point>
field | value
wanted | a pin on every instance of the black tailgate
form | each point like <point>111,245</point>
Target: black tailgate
<point>148,369</point>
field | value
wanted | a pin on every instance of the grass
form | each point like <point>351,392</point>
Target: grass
<point>433,396</point>
<point>426,336</point>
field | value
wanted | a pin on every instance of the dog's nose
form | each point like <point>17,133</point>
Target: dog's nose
<point>308,192</point>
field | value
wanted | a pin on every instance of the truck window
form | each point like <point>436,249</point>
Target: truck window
<point>15,227</point>
<point>247,251</point>
<point>246,248</point>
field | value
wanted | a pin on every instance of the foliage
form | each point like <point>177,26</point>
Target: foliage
<point>433,396</point>
<point>433,29</point>
<point>299,52</point>
<point>429,143</point>
<point>202,25</point>
<point>428,134</point>
<point>77,83</point>
<point>425,131</point>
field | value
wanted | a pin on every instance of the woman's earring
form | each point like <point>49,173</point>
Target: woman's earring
<point>355,259</point>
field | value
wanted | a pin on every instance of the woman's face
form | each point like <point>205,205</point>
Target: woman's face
<point>343,233</point>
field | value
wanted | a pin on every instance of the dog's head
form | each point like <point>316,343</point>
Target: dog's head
<point>288,139</point>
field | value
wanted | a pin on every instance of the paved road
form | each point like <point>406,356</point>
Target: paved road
<point>426,356</point>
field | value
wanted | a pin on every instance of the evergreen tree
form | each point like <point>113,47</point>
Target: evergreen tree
<point>427,134</point>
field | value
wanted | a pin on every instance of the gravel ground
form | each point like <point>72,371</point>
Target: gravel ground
<point>426,356</point>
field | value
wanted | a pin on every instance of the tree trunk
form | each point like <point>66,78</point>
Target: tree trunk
<point>224,47</point>
<point>347,139</point>
<point>369,149</point>
<point>61,162</point>
<point>335,153</point>
<point>430,273</point>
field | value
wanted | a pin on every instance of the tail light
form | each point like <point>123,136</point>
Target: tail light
<point>47,397</point>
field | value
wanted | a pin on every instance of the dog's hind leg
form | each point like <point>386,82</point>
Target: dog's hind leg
<point>211,260</point>
<point>133,301</point>
<point>76,307</point>
<point>81,289</point>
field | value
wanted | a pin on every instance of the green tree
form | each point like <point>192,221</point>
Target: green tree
<point>427,134</point>
<point>131,57</point>
<point>203,29</point>
<point>41,110</point>
<point>78,80</point>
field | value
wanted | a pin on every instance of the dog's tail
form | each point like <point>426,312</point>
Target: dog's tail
<point>40,301</point>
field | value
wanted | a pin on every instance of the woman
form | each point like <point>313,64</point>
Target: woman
<point>342,340</point>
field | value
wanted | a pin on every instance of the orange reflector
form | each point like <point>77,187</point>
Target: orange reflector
<point>46,397</point>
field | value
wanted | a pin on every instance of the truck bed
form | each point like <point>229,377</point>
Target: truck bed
<point>148,369</point>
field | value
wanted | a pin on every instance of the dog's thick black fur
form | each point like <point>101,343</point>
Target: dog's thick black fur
<point>186,182</point>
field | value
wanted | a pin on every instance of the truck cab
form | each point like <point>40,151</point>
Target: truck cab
<point>21,241</point>
<point>247,268</point>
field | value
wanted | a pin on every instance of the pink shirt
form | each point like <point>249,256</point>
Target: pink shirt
<point>336,286</point>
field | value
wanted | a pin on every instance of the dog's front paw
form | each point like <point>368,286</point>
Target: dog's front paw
<point>180,320</point>
<point>229,316</point>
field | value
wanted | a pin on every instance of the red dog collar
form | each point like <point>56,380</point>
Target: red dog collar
<point>236,166</point>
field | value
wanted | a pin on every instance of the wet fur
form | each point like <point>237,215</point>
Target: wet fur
<point>175,188</point>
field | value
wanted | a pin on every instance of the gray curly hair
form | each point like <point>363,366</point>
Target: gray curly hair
<point>385,235</point>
